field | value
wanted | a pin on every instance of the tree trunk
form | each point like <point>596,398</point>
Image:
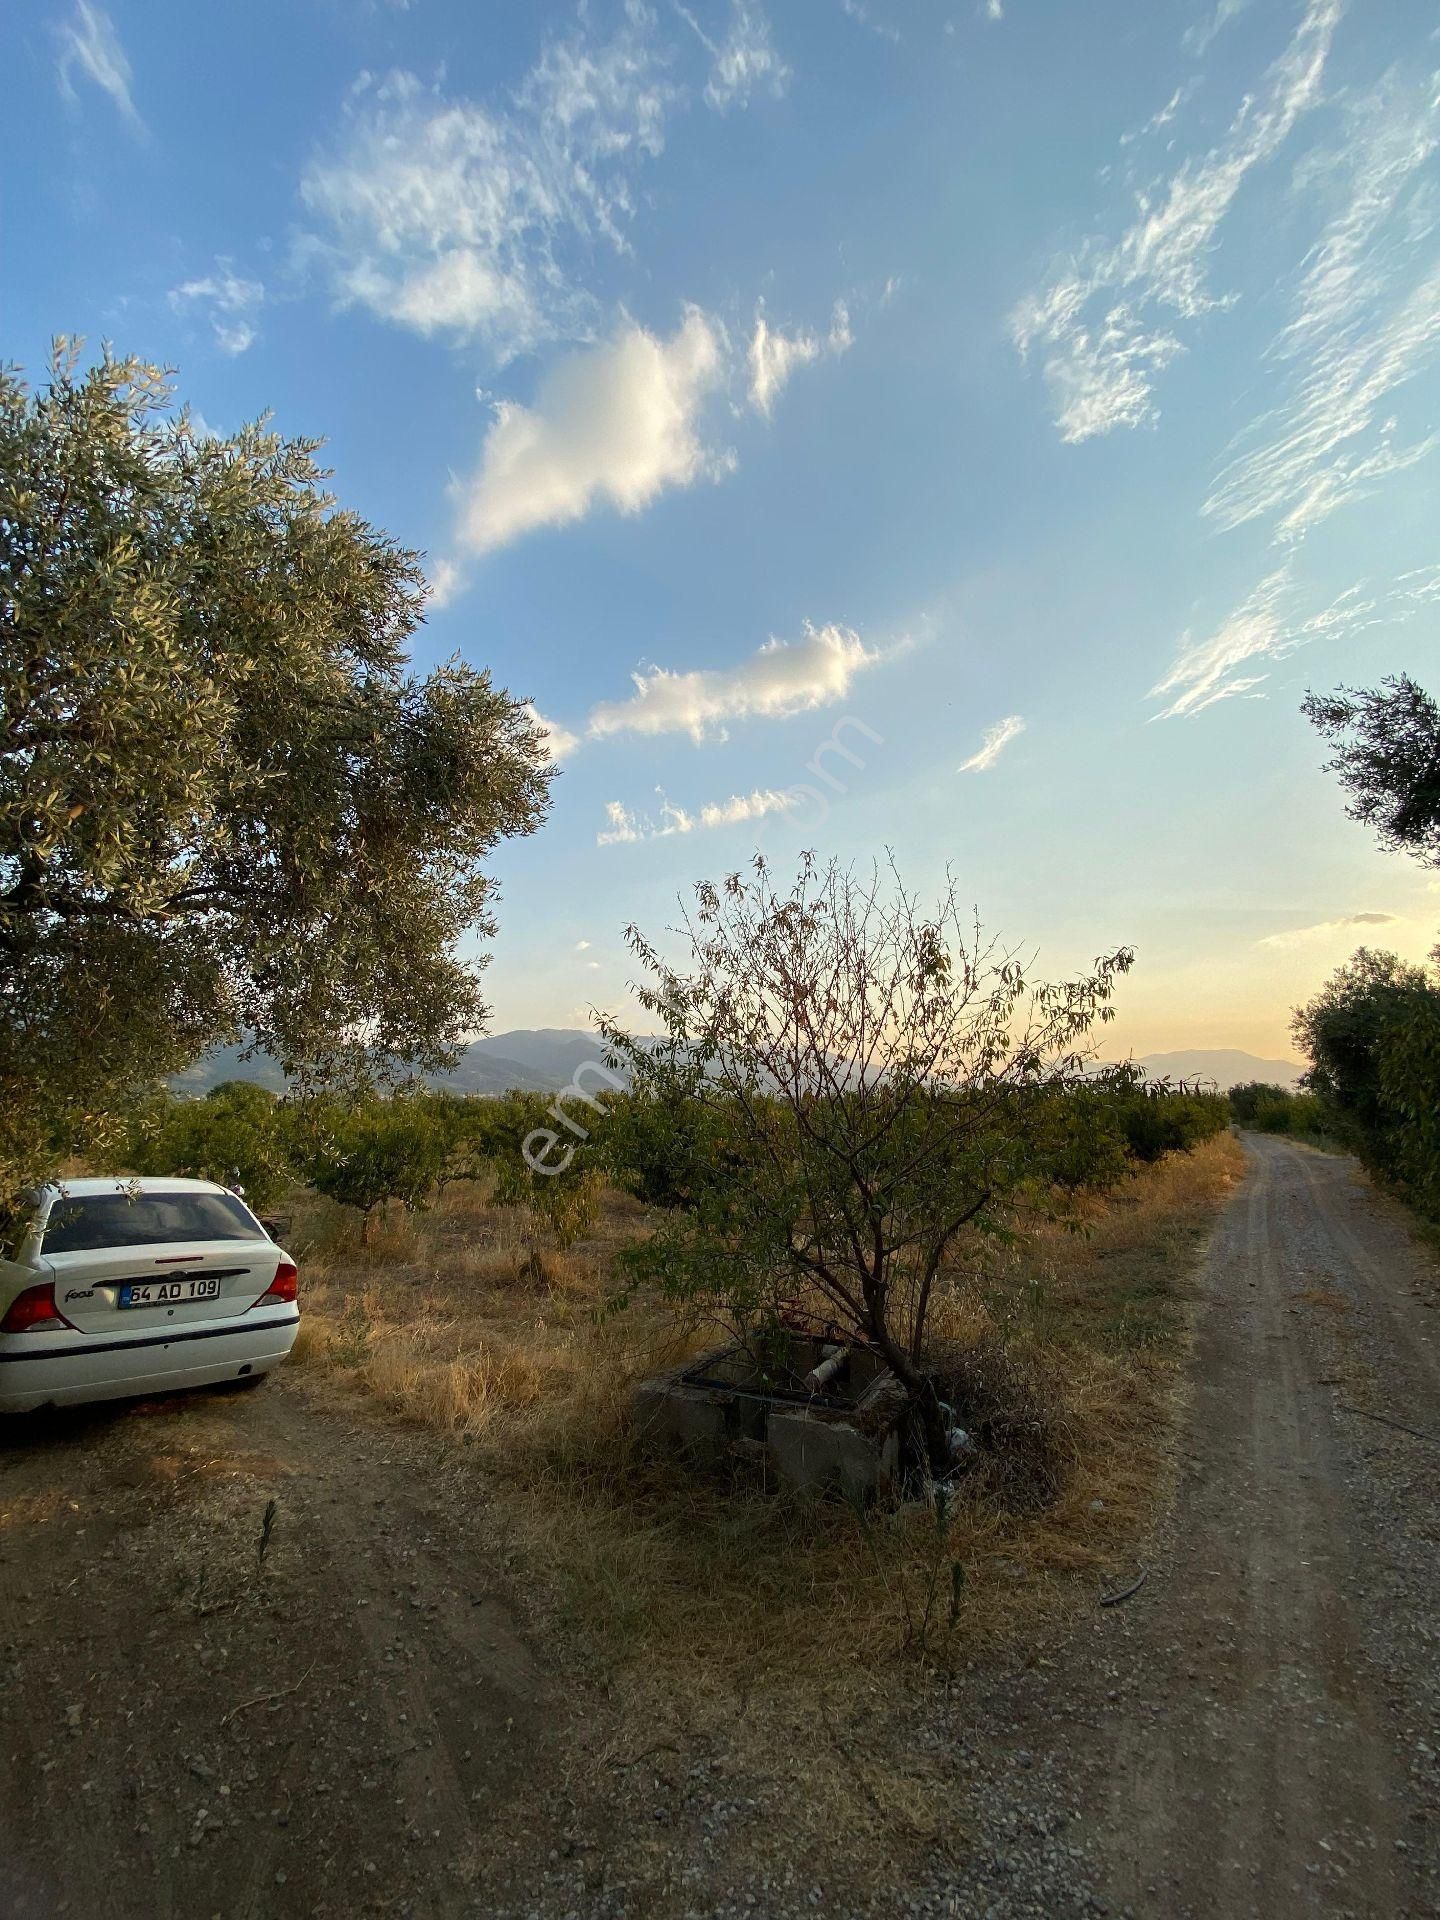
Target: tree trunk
<point>924,1401</point>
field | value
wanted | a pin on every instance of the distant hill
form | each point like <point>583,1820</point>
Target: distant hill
<point>537,1060</point>
<point>544,1060</point>
<point>1226,1066</point>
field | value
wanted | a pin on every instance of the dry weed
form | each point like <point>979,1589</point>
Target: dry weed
<point>1063,1349</point>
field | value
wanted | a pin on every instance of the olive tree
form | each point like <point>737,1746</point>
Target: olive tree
<point>226,807</point>
<point>1387,755</point>
<point>882,1077</point>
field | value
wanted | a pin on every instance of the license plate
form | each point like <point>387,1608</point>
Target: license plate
<point>166,1293</point>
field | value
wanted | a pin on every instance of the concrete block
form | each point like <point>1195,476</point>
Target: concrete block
<point>824,1456</point>
<point>668,1412</point>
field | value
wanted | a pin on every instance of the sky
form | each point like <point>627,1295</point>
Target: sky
<point>965,429</point>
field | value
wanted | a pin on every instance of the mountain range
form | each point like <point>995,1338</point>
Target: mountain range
<point>544,1060</point>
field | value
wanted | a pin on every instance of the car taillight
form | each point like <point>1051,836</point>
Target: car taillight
<point>35,1307</point>
<point>284,1285</point>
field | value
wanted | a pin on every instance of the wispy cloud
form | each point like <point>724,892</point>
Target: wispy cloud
<point>745,60</point>
<point>864,16</point>
<point>615,424</point>
<point>627,828</point>
<point>1366,322</point>
<point>1197,39</point>
<point>773,356</point>
<point>1280,615</point>
<point>1104,328</point>
<point>784,677</point>
<point>1324,930</point>
<point>90,46</point>
<point>230,301</point>
<point>1271,622</point>
<point>993,743</point>
<point>450,217</point>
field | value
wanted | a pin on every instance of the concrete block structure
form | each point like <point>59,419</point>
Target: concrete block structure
<point>845,1439</point>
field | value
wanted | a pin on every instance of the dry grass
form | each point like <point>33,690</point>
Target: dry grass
<point>1065,1346</point>
<point>722,1618</point>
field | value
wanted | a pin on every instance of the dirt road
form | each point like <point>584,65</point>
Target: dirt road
<point>372,1720</point>
<point>1257,1731</point>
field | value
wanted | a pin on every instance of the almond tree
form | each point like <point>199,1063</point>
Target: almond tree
<point>882,1076</point>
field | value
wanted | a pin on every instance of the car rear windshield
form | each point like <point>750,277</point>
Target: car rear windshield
<point>84,1222</point>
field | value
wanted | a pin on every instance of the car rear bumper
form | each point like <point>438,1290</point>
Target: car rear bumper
<point>57,1370</point>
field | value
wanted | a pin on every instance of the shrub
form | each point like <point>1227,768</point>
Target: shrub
<point>238,1135</point>
<point>1159,1119</point>
<point>374,1151</point>
<point>1373,1034</point>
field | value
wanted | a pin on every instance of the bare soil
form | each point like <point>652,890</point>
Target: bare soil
<point>382,1717</point>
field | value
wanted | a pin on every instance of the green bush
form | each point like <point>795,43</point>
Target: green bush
<point>1158,1119</point>
<point>238,1134</point>
<point>374,1151</point>
<point>1373,1035</point>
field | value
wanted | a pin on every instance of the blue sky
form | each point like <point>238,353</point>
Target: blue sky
<point>1042,395</point>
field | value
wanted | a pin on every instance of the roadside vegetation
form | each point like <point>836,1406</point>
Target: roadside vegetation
<point>1270,1108</point>
<point>853,1114</point>
<point>1372,1032</point>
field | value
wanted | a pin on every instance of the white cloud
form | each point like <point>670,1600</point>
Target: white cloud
<point>773,356</point>
<point>747,806</point>
<point>230,302</point>
<point>744,61</point>
<point>1104,326</point>
<point>1275,619</point>
<point>784,677</point>
<point>857,10</point>
<point>560,743</point>
<point>1270,623</point>
<point>628,828</point>
<point>994,9</point>
<point>450,217</point>
<point>616,423</point>
<point>582,946</point>
<point>1196,40</point>
<point>447,582</point>
<point>89,43</point>
<point>1366,322</point>
<point>993,744</point>
<point>1325,930</point>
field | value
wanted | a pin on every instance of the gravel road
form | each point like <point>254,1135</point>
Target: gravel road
<point>373,1720</point>
<point>1257,1731</point>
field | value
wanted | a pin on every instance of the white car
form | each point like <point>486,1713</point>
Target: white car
<point>121,1287</point>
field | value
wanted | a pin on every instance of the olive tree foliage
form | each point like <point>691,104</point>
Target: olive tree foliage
<point>1372,1033</point>
<point>881,1078</point>
<point>225,805</point>
<point>1387,755</point>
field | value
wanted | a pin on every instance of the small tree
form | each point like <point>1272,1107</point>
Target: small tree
<point>1373,1036</point>
<point>375,1151</point>
<point>561,1198</point>
<point>882,1077</point>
